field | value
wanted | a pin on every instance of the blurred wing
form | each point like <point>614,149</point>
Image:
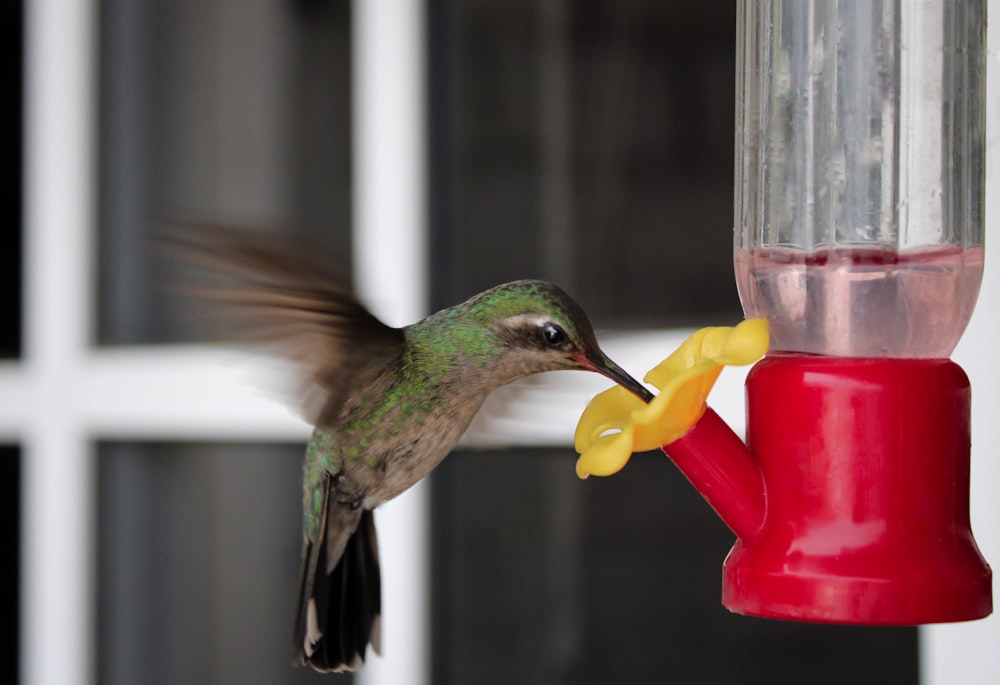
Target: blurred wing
<point>284,289</point>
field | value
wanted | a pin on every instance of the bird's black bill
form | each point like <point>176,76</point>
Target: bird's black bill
<point>604,366</point>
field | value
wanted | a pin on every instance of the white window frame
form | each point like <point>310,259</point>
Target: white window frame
<point>64,394</point>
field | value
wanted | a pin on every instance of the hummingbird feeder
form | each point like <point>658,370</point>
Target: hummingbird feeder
<point>859,239</point>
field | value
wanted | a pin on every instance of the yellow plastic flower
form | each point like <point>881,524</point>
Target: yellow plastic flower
<point>616,423</point>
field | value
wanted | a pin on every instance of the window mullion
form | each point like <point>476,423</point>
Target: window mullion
<point>390,264</point>
<point>57,478</point>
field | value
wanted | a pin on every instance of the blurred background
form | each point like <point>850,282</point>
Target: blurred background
<point>588,142</point>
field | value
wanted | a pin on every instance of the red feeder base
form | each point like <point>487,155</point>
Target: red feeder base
<point>866,508</point>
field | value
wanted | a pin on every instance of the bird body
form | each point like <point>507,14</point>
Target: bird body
<point>406,411</point>
<point>388,405</point>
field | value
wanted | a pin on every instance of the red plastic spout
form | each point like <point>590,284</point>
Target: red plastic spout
<point>715,460</point>
<point>851,497</point>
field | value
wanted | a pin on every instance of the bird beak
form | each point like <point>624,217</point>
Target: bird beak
<point>604,366</point>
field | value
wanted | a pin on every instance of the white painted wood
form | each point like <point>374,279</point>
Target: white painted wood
<point>390,247</point>
<point>57,554</point>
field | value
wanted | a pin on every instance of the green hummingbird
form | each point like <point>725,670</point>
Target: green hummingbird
<point>388,405</point>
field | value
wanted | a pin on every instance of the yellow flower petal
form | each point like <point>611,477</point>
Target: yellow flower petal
<point>609,410</point>
<point>616,423</point>
<point>682,406</point>
<point>745,344</point>
<point>607,456</point>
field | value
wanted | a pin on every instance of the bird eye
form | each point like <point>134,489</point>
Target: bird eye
<point>554,335</point>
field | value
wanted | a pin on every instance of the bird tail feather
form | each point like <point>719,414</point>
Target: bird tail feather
<point>340,608</point>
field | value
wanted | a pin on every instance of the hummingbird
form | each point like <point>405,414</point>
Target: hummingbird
<point>387,405</point>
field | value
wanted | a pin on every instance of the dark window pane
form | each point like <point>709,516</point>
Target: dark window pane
<point>542,578</point>
<point>218,111</point>
<point>12,143</point>
<point>198,560</point>
<point>589,143</point>
<point>10,539</point>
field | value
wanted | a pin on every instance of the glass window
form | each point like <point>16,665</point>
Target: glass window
<point>10,324</point>
<point>198,563</point>
<point>10,539</point>
<point>586,143</point>
<point>227,112</point>
<point>590,143</point>
<point>12,188</point>
<point>542,578</point>
<point>220,111</point>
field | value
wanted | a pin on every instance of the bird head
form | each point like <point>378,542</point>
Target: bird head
<point>542,328</point>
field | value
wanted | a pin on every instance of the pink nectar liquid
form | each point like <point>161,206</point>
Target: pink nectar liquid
<point>848,301</point>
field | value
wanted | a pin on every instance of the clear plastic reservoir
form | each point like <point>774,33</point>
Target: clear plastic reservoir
<point>859,173</point>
